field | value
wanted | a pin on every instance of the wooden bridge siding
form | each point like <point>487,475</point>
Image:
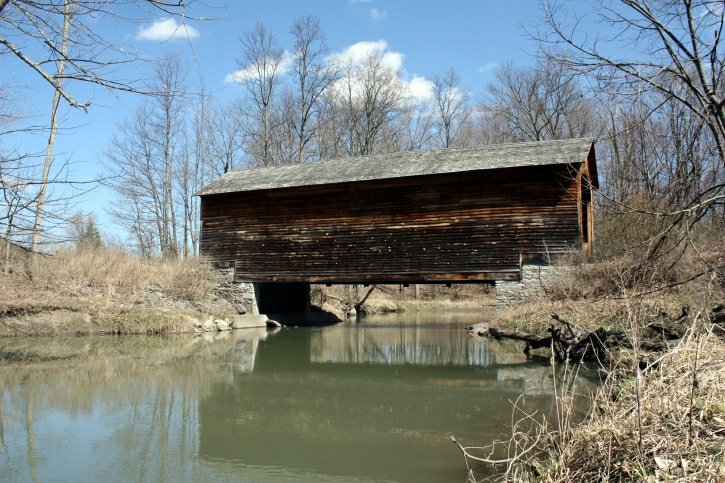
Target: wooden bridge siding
<point>470,226</point>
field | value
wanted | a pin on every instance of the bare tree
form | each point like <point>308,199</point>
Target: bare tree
<point>60,43</point>
<point>312,75</point>
<point>286,139</point>
<point>539,103</point>
<point>138,181</point>
<point>418,119</point>
<point>42,27</point>
<point>451,103</point>
<point>201,163</point>
<point>17,200</point>
<point>657,155</point>
<point>260,66</point>
<point>161,156</point>
<point>226,137</point>
<point>665,150</point>
<point>146,155</point>
<point>371,95</point>
<point>185,187</point>
<point>83,231</point>
<point>330,134</point>
<point>166,123</point>
<point>676,51</point>
<point>50,148</point>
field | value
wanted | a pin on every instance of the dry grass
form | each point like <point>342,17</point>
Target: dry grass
<point>118,274</point>
<point>663,424</point>
<point>609,313</point>
<point>106,291</point>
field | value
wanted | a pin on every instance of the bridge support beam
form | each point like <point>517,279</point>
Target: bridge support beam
<point>283,297</point>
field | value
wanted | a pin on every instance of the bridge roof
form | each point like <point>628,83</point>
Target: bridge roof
<point>404,164</point>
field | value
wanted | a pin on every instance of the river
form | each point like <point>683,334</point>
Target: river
<point>374,401</point>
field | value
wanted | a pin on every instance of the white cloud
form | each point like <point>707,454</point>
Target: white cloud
<point>420,88</point>
<point>378,15</point>
<point>355,56</point>
<point>485,68</point>
<point>165,29</point>
<point>358,52</point>
<point>251,72</point>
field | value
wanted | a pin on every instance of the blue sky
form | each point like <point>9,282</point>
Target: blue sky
<point>426,37</point>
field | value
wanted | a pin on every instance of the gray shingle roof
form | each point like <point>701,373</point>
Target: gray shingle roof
<point>403,164</point>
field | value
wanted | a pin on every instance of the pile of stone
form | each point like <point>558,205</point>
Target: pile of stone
<point>248,321</point>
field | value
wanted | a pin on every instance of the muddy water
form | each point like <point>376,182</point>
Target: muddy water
<point>374,401</point>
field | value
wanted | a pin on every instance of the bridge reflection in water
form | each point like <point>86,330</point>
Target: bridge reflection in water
<point>403,345</point>
<point>428,346</point>
<point>370,402</point>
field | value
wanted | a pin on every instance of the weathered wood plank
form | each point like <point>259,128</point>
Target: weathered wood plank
<point>472,226</point>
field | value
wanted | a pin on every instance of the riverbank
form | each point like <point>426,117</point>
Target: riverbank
<point>107,291</point>
<point>658,415</point>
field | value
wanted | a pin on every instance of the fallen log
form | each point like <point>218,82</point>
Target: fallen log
<point>588,346</point>
<point>532,341</point>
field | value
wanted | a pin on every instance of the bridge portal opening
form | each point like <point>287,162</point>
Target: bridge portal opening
<point>283,297</point>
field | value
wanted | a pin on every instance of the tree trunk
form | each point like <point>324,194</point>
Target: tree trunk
<point>8,232</point>
<point>40,202</point>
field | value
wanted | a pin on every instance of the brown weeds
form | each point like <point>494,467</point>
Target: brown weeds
<point>656,420</point>
<point>671,427</point>
<point>656,417</point>
<point>108,291</point>
<point>116,274</point>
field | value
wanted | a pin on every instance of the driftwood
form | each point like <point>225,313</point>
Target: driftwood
<point>570,342</point>
<point>573,343</point>
<point>532,341</point>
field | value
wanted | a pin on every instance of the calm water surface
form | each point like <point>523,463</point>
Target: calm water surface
<point>374,401</point>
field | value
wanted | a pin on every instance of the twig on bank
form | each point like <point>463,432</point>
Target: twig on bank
<point>490,461</point>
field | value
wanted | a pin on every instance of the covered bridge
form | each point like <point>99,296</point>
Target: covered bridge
<point>445,216</point>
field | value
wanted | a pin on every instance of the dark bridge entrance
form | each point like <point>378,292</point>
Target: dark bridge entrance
<point>282,298</point>
<point>447,216</point>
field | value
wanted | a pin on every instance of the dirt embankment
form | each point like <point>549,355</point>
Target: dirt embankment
<point>27,310</point>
